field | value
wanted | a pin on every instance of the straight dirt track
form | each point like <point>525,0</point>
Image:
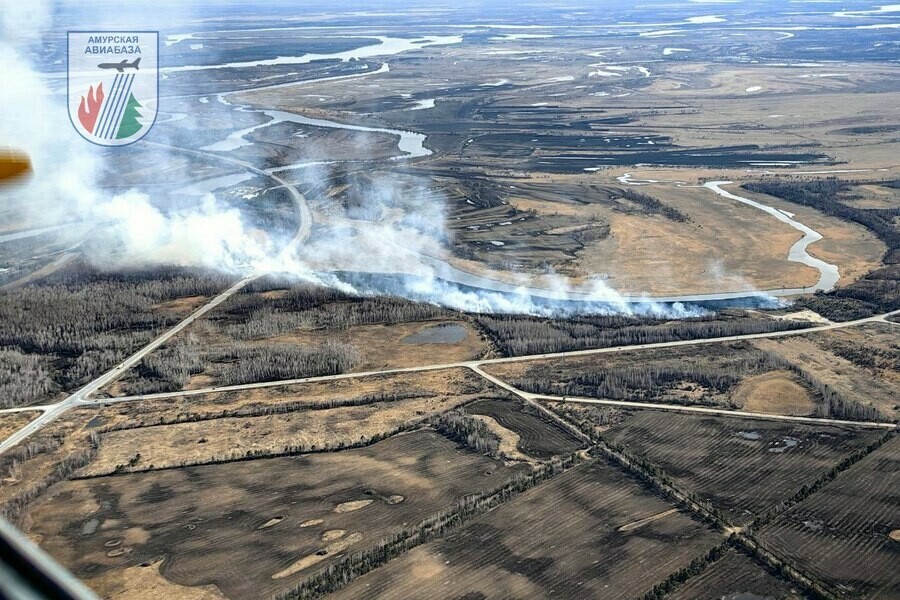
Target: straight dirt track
<point>83,396</point>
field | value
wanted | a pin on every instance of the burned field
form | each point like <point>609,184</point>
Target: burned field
<point>297,513</point>
<point>590,532</point>
<point>847,534</point>
<point>539,437</point>
<point>743,467</point>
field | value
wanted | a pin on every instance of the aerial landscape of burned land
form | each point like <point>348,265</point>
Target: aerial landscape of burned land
<point>460,300</point>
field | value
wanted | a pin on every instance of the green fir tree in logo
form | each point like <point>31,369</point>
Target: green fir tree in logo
<point>130,125</point>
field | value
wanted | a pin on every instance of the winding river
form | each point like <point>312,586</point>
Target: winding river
<point>828,273</point>
<point>412,145</point>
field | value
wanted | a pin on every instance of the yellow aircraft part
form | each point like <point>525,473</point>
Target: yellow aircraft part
<point>13,165</point>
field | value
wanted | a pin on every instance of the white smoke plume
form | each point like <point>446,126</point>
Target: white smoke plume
<point>383,234</point>
<point>66,186</point>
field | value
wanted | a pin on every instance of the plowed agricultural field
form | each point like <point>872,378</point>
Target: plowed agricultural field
<point>843,533</point>
<point>588,533</point>
<point>742,466</point>
<point>736,576</point>
<point>255,528</point>
<point>539,437</point>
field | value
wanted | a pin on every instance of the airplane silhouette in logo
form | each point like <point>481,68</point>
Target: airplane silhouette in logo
<point>121,66</point>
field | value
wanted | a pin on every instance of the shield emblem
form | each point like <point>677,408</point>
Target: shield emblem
<point>113,84</point>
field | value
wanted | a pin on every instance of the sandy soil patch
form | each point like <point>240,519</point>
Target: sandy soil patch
<point>312,559</point>
<point>345,507</point>
<point>333,534</point>
<point>509,440</point>
<point>273,521</point>
<point>311,523</point>
<point>146,583</point>
<point>650,519</point>
<point>776,392</point>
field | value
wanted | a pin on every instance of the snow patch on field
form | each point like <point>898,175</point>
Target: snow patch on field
<point>705,19</point>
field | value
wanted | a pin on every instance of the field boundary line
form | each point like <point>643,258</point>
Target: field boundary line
<point>83,396</point>
<point>655,477</point>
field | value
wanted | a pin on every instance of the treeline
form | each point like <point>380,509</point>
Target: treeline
<point>86,321</point>
<point>12,460</point>
<point>282,293</point>
<point>24,378</point>
<point>879,291</point>
<point>651,381</point>
<point>833,404</point>
<point>657,479</point>
<point>251,364</point>
<point>875,293</point>
<point>13,509</point>
<point>518,335</point>
<point>696,566</point>
<point>867,356</point>
<point>335,576</point>
<point>830,403</point>
<point>592,419</point>
<point>170,368</point>
<point>653,206</point>
<point>467,430</point>
<point>825,195</point>
<point>809,489</point>
<point>287,306</point>
<point>237,455</point>
<point>261,410</point>
<point>379,309</point>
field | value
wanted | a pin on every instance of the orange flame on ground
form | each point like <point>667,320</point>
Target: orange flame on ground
<point>88,115</point>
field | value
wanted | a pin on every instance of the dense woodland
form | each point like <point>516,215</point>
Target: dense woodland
<point>65,330</point>
<point>651,205</point>
<point>707,378</point>
<point>877,292</point>
<point>867,356</point>
<point>249,364</point>
<point>468,431</point>
<point>519,335</point>
<point>170,368</point>
<point>272,307</point>
<point>712,374</point>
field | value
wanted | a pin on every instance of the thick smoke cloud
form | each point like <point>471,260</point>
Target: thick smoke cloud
<point>66,187</point>
<point>389,229</point>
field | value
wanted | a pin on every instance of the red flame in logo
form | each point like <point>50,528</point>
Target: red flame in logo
<point>88,114</point>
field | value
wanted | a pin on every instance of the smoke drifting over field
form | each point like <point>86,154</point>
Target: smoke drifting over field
<point>135,231</point>
<point>66,188</point>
